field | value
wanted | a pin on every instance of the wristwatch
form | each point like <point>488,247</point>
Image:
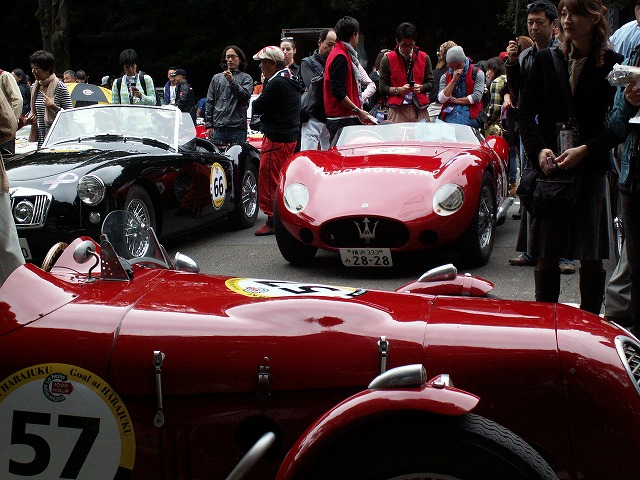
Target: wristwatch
<point>354,109</point>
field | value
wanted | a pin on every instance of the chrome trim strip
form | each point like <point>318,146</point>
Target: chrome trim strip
<point>406,376</point>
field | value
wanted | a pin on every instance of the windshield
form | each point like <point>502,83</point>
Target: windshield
<point>169,126</point>
<point>439,132</point>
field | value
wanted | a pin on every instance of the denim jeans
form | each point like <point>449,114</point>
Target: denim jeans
<point>229,135</point>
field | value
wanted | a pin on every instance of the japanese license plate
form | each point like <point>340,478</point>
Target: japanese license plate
<point>24,246</point>
<point>366,257</point>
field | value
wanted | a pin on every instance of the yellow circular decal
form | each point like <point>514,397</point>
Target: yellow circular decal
<point>218,185</point>
<point>258,288</point>
<point>61,421</point>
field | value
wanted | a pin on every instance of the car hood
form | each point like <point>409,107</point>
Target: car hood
<point>223,331</point>
<point>54,162</point>
<point>384,184</point>
<point>308,336</point>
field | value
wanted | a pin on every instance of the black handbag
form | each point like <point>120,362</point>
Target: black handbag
<point>545,197</point>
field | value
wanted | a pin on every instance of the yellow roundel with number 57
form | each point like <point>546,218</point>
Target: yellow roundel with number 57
<point>218,185</point>
<point>62,421</point>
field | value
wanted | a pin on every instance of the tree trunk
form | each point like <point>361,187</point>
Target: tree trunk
<point>52,15</point>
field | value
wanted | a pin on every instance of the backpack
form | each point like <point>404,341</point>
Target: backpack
<point>313,99</point>
<point>143,84</point>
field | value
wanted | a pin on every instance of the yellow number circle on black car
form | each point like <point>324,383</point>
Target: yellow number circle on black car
<point>218,185</point>
<point>61,421</point>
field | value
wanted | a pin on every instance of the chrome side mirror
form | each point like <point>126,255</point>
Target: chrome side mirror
<point>440,274</point>
<point>83,252</point>
<point>185,264</point>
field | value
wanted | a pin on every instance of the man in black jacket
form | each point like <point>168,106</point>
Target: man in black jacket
<point>185,99</point>
<point>279,108</point>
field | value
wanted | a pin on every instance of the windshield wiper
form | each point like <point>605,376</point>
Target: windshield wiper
<point>154,142</point>
<point>102,136</point>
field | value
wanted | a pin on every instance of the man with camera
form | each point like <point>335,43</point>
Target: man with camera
<point>541,22</point>
<point>134,86</point>
<point>406,78</point>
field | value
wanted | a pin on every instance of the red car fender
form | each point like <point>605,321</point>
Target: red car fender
<point>500,146</point>
<point>432,397</point>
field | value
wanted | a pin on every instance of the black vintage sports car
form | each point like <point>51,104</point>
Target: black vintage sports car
<point>143,159</point>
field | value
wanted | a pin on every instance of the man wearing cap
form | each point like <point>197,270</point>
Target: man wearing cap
<point>461,90</point>
<point>279,108</point>
<point>185,99</point>
<point>341,85</point>
<point>406,78</point>
<point>228,99</point>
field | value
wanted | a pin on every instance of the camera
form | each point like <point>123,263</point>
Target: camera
<point>412,84</point>
<point>133,84</point>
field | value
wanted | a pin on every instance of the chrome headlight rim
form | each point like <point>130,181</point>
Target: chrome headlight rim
<point>296,197</point>
<point>22,216</point>
<point>448,199</point>
<point>91,190</point>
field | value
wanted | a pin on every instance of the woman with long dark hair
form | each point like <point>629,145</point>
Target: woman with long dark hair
<point>569,95</point>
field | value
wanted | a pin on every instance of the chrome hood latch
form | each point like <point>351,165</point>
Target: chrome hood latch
<point>383,346</point>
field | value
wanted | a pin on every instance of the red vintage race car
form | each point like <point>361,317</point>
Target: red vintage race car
<point>391,188</point>
<point>121,367</point>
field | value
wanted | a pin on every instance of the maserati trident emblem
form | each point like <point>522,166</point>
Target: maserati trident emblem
<point>366,234</point>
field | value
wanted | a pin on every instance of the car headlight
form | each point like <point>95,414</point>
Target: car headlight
<point>448,199</point>
<point>296,197</point>
<point>23,212</point>
<point>91,190</point>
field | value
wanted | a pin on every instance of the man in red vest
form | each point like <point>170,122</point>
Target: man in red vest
<point>341,87</point>
<point>461,89</point>
<point>406,78</point>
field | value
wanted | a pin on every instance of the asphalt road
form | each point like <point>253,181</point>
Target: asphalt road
<point>240,253</point>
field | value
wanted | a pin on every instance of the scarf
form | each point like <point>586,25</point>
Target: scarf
<point>51,83</point>
<point>356,64</point>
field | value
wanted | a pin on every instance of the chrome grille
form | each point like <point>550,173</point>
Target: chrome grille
<point>40,200</point>
<point>629,351</point>
<point>364,231</point>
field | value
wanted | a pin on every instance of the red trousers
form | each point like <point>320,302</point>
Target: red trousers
<point>272,157</point>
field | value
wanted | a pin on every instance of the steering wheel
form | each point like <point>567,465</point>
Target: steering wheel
<point>365,133</point>
<point>53,255</point>
<point>148,261</point>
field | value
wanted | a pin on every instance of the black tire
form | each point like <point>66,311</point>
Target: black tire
<point>139,204</point>
<point>293,250</point>
<point>245,213</point>
<point>477,241</point>
<point>417,447</point>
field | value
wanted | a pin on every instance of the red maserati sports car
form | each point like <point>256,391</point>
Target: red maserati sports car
<point>382,189</point>
<point>115,366</point>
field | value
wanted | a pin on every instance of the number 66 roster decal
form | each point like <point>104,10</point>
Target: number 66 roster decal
<point>61,421</point>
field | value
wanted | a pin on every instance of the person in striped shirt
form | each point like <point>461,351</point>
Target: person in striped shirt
<point>48,95</point>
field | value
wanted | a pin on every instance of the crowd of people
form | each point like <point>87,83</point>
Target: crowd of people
<point>544,85</point>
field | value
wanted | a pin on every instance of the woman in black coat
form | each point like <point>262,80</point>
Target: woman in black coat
<point>585,59</point>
